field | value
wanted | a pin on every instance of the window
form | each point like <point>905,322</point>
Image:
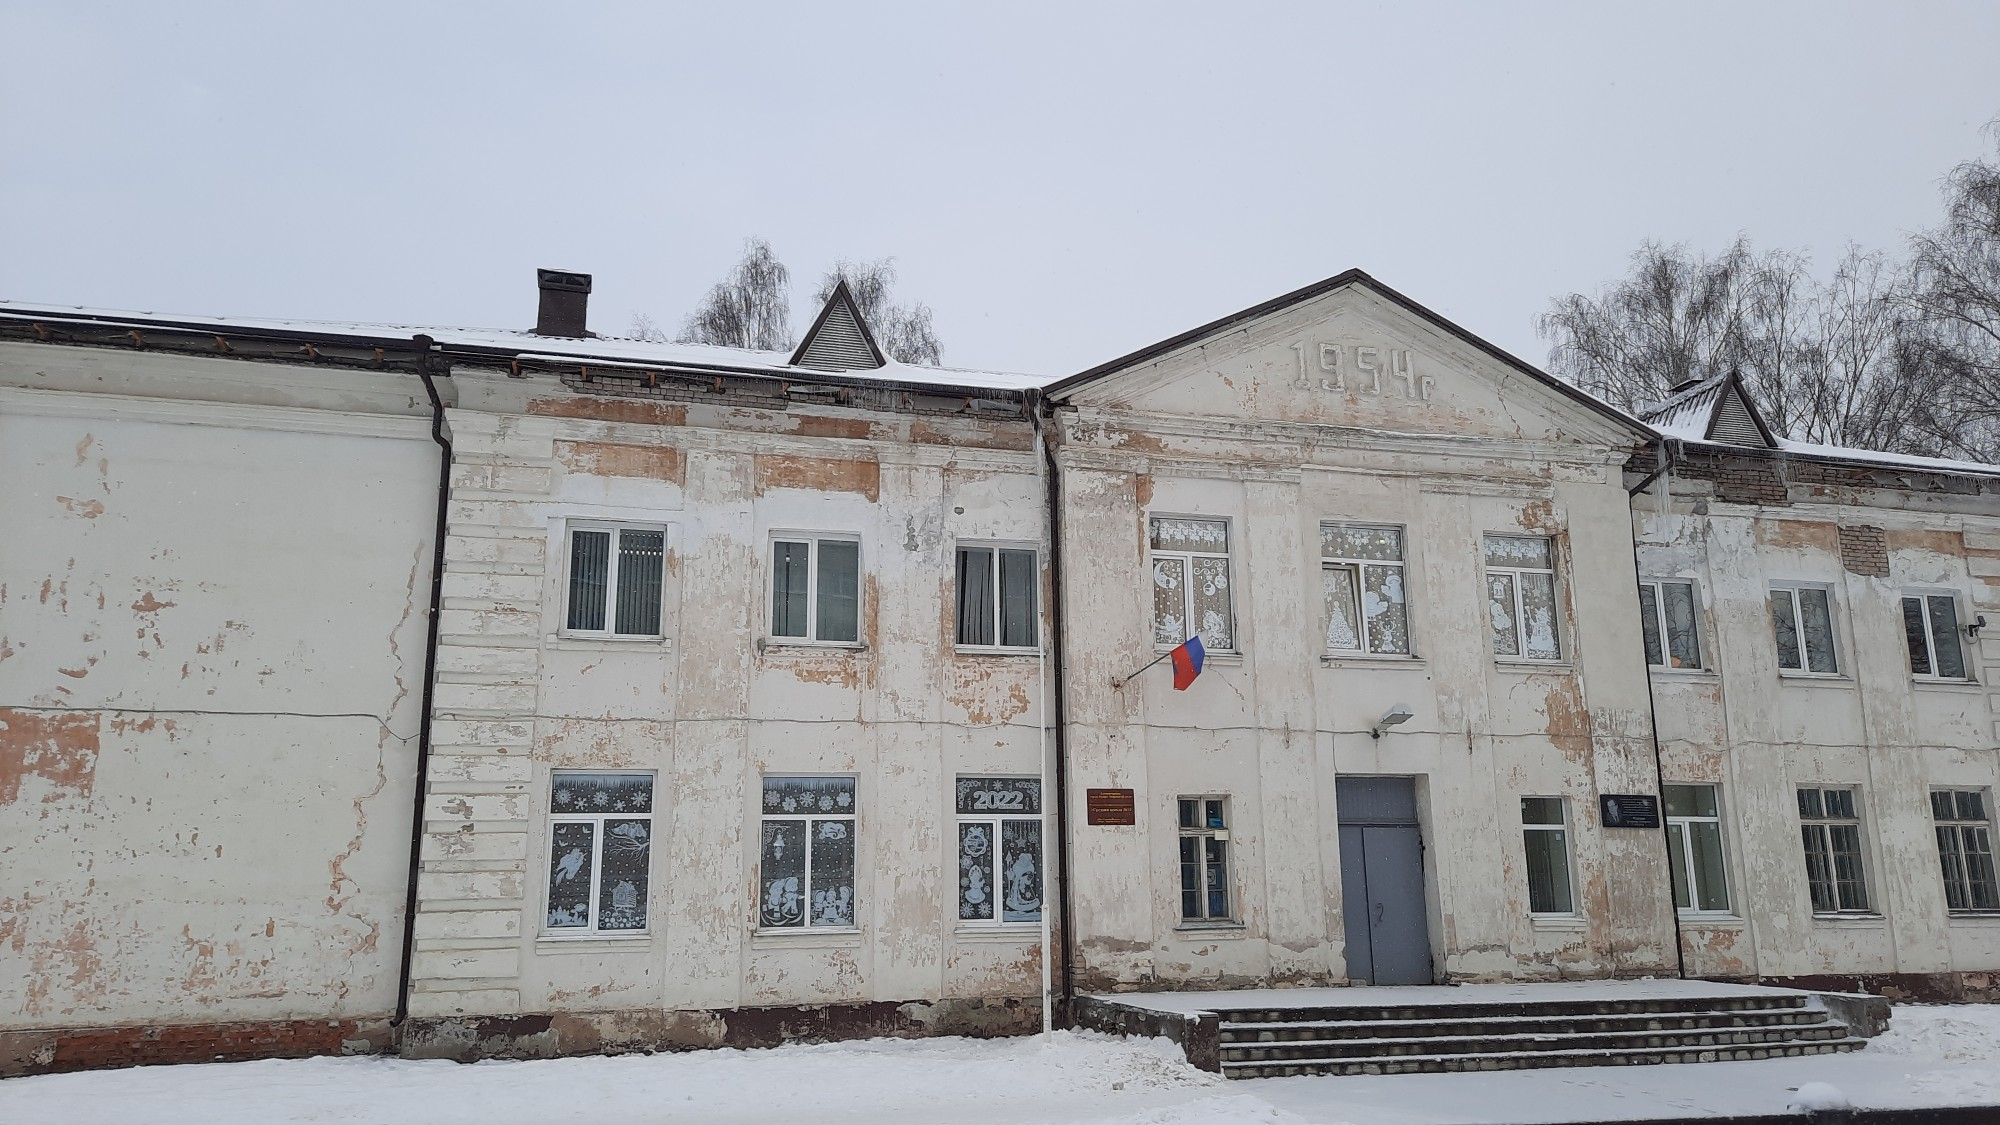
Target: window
<point>1521,588</point>
<point>1667,613</point>
<point>999,850</point>
<point>1802,618</point>
<point>996,597</point>
<point>1204,859</point>
<point>615,575</point>
<point>816,589</point>
<point>1930,625</point>
<point>1694,842</point>
<point>807,868</point>
<point>1361,575</point>
<point>1831,830</point>
<point>600,851</point>
<point>1546,833</point>
<point>1191,583</point>
<point>1965,848</point>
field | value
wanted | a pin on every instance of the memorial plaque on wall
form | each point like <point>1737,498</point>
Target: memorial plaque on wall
<point>1109,806</point>
<point>1629,810</point>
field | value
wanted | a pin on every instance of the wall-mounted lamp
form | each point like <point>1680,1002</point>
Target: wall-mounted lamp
<point>1394,717</point>
<point>1973,626</point>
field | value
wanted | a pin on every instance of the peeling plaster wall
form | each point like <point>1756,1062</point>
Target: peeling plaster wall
<point>1275,428</point>
<point>1758,735</point>
<point>213,580</point>
<point>713,705</point>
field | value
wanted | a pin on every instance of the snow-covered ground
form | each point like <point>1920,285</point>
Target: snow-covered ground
<point>1946,1055</point>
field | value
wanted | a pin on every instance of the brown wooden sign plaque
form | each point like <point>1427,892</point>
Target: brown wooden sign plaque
<point>1109,806</point>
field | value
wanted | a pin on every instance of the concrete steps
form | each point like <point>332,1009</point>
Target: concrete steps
<point>1266,1042</point>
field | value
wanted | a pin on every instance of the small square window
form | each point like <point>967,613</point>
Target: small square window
<point>1802,623</point>
<point>996,597</point>
<point>1930,629</point>
<point>1668,615</point>
<point>616,575</point>
<point>816,589</point>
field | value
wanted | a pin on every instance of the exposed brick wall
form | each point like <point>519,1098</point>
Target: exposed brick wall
<point>1865,551</point>
<point>1752,476</point>
<point>96,1048</point>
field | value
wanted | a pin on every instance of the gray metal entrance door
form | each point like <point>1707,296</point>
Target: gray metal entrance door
<point>1382,881</point>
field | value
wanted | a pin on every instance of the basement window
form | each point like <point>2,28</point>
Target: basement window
<point>816,589</point>
<point>616,574</point>
<point>806,866</point>
<point>1965,849</point>
<point>600,852</point>
<point>999,850</point>
<point>1930,628</point>
<point>996,597</point>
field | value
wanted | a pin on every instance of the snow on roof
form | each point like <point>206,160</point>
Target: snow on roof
<point>524,344</point>
<point>1685,415</point>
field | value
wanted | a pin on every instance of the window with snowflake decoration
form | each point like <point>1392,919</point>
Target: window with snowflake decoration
<point>806,865</point>
<point>600,852</point>
<point>999,850</point>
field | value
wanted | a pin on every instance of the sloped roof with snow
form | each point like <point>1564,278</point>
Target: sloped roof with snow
<point>508,343</point>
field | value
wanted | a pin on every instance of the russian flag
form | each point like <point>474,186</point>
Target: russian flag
<point>1187,662</point>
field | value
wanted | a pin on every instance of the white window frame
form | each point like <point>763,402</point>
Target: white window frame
<point>1660,623</point>
<point>591,932</point>
<point>1355,567</point>
<point>569,528</point>
<point>1557,592</point>
<point>1568,853</point>
<point>1958,826</point>
<point>993,820</point>
<point>853,819</point>
<point>995,546</point>
<point>1958,610</point>
<point>1824,830</point>
<point>1804,670</point>
<point>1187,581</point>
<point>813,539</point>
<point>1688,868</point>
<point>1204,833</point>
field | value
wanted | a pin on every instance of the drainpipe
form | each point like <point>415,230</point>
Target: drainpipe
<point>1052,501</point>
<point>424,345</point>
<point>1664,459</point>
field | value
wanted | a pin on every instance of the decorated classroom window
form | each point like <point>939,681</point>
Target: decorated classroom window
<point>1191,583</point>
<point>806,865</point>
<point>1521,597</point>
<point>1361,576</point>
<point>600,851</point>
<point>999,850</point>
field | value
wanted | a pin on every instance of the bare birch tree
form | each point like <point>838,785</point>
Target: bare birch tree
<point>906,332</point>
<point>751,308</point>
<point>1955,293</point>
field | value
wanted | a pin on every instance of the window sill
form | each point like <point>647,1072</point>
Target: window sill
<point>807,937</point>
<point>1368,660</point>
<point>1681,673</point>
<point>1012,933</point>
<point>592,943</point>
<point>1213,929</point>
<point>1851,920</point>
<point>1974,919</point>
<point>995,650</point>
<point>1560,923</point>
<point>1960,686</point>
<point>1711,921</point>
<point>1510,665</point>
<point>799,646</point>
<point>1209,655</point>
<point>588,643</point>
<point>1815,679</point>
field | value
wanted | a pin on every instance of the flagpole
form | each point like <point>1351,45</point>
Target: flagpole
<point>1148,664</point>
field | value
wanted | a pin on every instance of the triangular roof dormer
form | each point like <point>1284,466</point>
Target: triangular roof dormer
<point>1716,410</point>
<point>839,339</point>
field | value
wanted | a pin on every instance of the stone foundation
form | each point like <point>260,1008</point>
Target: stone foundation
<point>52,1051</point>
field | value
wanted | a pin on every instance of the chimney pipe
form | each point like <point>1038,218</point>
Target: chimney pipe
<point>565,296</point>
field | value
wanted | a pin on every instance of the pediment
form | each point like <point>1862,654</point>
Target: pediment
<point>1350,356</point>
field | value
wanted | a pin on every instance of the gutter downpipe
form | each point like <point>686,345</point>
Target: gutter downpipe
<point>1052,506</point>
<point>1664,460</point>
<point>424,345</point>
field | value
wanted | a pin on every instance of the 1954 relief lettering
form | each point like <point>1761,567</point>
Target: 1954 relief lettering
<point>1342,367</point>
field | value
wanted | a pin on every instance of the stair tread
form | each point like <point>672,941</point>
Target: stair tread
<point>1500,1016</point>
<point>1364,1040</point>
<point>1819,1046</point>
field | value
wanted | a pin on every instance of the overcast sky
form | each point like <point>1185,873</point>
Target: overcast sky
<point>1061,183</point>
